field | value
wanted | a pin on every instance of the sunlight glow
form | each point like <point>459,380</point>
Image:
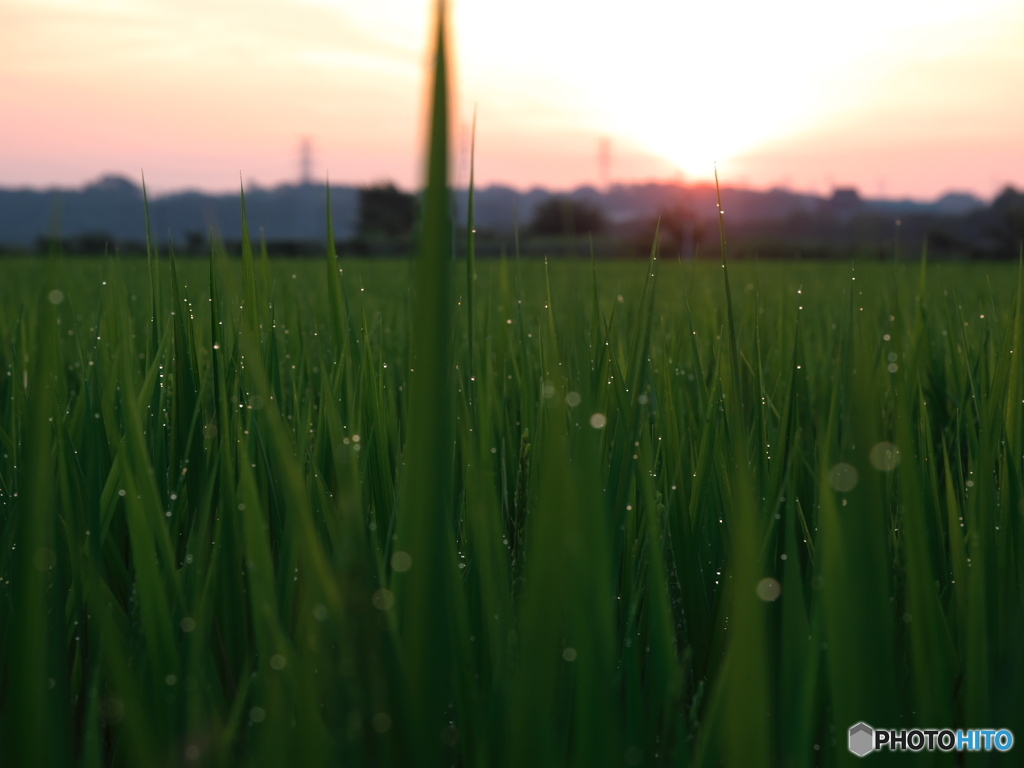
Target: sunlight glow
<point>196,89</point>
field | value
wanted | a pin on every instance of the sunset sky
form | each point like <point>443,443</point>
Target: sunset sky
<point>896,97</point>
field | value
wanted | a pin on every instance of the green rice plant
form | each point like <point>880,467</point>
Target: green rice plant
<point>626,514</point>
<point>203,549</point>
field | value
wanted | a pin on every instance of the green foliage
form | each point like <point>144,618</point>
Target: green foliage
<point>386,211</point>
<point>220,539</point>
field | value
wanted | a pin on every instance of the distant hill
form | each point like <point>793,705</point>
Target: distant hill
<point>108,215</point>
<point>112,208</point>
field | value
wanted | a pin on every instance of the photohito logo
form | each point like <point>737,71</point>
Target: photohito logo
<point>863,740</point>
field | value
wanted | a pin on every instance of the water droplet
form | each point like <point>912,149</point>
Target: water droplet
<point>598,421</point>
<point>383,599</point>
<point>401,561</point>
<point>843,477</point>
<point>884,456</point>
<point>769,589</point>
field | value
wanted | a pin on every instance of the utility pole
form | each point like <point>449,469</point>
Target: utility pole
<point>306,161</point>
<point>604,162</point>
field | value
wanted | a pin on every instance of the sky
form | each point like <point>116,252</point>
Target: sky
<point>895,97</point>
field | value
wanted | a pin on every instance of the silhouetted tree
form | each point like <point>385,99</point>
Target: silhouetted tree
<point>385,210</point>
<point>1008,208</point>
<point>565,216</point>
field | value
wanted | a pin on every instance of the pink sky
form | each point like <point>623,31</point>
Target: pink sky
<point>901,97</point>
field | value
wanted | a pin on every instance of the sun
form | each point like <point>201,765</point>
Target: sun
<point>692,146</point>
<point>694,153</point>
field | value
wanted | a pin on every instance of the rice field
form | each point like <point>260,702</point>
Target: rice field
<point>505,513</point>
<point>645,524</point>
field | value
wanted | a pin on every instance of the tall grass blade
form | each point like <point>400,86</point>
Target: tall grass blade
<point>424,592</point>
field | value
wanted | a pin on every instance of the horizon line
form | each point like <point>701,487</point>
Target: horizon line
<point>253,184</point>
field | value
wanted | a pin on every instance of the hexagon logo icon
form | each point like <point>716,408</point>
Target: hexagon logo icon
<point>861,739</point>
